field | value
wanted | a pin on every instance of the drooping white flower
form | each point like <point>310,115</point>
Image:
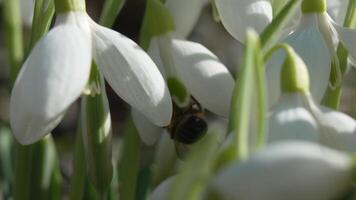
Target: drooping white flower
<point>57,70</point>
<point>297,117</point>
<point>194,68</point>
<point>297,170</point>
<point>312,38</point>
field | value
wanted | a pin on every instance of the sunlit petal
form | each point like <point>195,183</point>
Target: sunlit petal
<point>290,120</point>
<point>132,74</point>
<point>206,78</point>
<point>51,79</point>
<point>238,15</point>
<point>338,130</point>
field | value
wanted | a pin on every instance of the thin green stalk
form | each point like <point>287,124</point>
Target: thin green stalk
<point>42,18</point>
<point>110,12</point>
<point>241,100</point>
<point>333,95</point>
<point>23,167</point>
<point>14,39</point>
<point>6,167</point>
<point>77,183</point>
<point>96,132</point>
<point>261,98</point>
<point>271,33</point>
<point>43,166</point>
<point>129,164</point>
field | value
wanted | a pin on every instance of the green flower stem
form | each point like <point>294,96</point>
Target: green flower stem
<point>270,34</point>
<point>241,100</point>
<point>42,18</point>
<point>77,184</point>
<point>96,125</point>
<point>129,163</point>
<point>110,12</point>
<point>64,6</point>
<point>6,166</point>
<point>262,105</point>
<point>44,163</point>
<point>13,34</point>
<point>23,167</point>
<point>333,95</point>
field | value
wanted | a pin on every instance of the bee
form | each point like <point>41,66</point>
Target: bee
<point>187,126</point>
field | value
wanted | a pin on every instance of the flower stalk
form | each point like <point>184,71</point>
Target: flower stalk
<point>128,166</point>
<point>270,34</point>
<point>42,18</point>
<point>96,125</point>
<point>13,34</point>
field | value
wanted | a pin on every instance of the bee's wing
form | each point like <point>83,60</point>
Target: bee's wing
<point>182,150</point>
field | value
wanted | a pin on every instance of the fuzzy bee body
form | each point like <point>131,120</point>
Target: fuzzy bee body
<point>188,126</point>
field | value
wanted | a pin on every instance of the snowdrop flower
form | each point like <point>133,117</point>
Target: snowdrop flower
<point>297,170</point>
<point>297,117</point>
<point>57,70</point>
<point>192,70</point>
<point>312,38</point>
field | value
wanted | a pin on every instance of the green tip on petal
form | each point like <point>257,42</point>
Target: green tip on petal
<point>314,6</point>
<point>294,75</point>
<point>64,6</point>
<point>178,90</point>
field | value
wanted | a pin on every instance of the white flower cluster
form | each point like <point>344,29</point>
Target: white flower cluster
<point>309,146</point>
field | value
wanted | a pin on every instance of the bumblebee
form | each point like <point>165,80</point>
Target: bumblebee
<point>187,126</point>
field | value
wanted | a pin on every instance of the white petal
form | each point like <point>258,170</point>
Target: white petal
<point>148,132</point>
<point>296,170</point>
<point>132,74</point>
<point>308,42</point>
<point>162,190</point>
<point>238,15</point>
<point>154,53</point>
<point>337,9</point>
<point>290,120</point>
<point>338,130</point>
<point>185,14</point>
<point>348,38</point>
<point>206,78</point>
<point>51,79</point>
